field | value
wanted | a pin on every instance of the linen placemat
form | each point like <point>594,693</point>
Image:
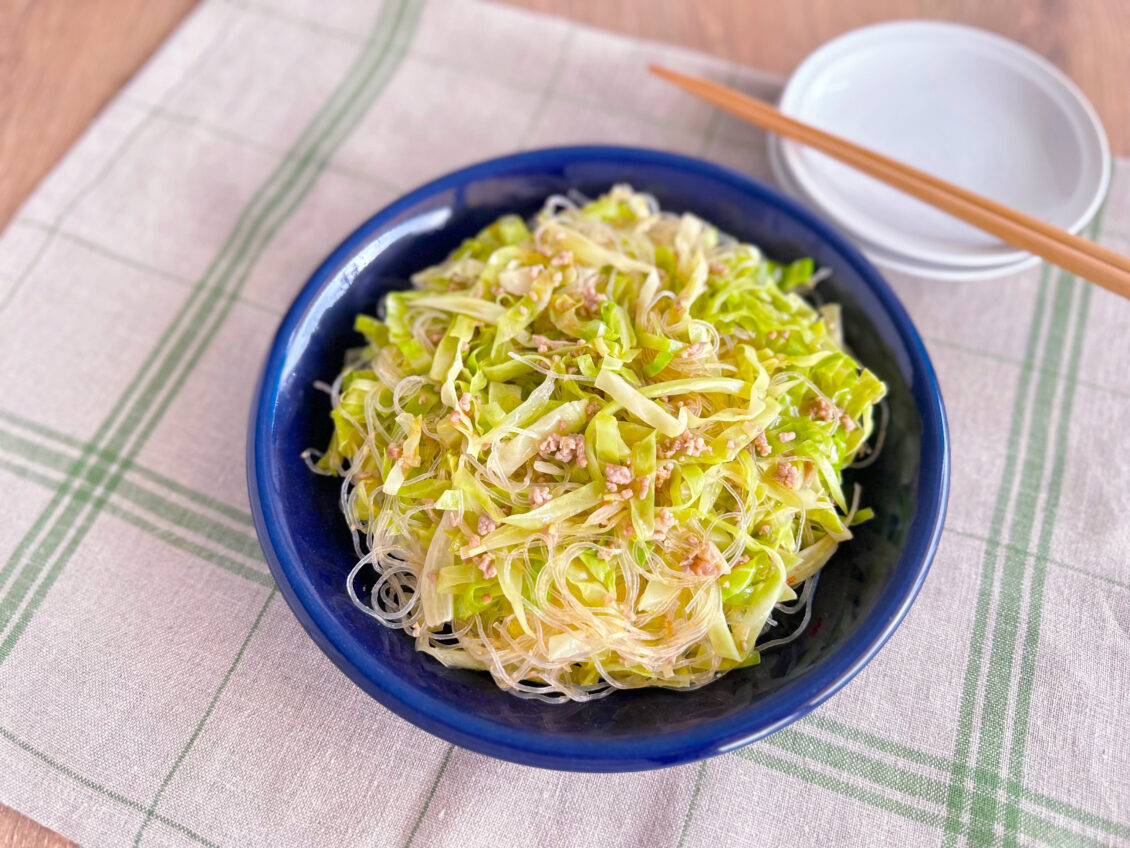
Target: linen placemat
<point>156,690</point>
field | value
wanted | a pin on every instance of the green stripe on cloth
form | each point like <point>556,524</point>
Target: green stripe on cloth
<point>96,451</point>
<point>228,564</point>
<point>850,762</point>
<point>135,264</point>
<point>878,743</point>
<point>1051,834</point>
<point>235,540</point>
<point>58,462</point>
<point>1012,574</point>
<point>166,535</point>
<point>98,788</point>
<point>853,767</point>
<point>111,162</point>
<point>855,764</point>
<point>1011,360</point>
<point>151,811</point>
<point>1030,646</point>
<point>886,779</point>
<point>1015,575</point>
<point>231,512</point>
<point>54,230</point>
<point>45,432</point>
<point>757,754</point>
<point>249,144</point>
<point>431,794</point>
<point>870,765</point>
<point>963,741</point>
<point>983,781</point>
<point>1046,560</point>
<point>280,14</point>
<point>688,817</point>
<point>258,224</point>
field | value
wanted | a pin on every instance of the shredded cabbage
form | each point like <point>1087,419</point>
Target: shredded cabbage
<point>598,454</point>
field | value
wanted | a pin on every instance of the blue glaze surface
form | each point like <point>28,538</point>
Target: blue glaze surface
<point>864,592</point>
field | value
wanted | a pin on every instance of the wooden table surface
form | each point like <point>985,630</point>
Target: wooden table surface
<point>62,60</point>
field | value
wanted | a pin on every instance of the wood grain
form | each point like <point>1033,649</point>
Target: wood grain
<point>18,831</point>
<point>62,60</point>
<point>1086,38</point>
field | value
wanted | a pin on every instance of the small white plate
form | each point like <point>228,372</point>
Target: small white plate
<point>969,106</point>
<point>891,261</point>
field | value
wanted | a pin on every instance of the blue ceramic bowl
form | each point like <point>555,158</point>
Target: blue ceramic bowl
<point>863,594</point>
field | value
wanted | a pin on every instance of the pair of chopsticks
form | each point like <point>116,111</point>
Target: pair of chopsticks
<point>1084,258</point>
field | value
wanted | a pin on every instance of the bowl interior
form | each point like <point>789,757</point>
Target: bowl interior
<point>862,593</point>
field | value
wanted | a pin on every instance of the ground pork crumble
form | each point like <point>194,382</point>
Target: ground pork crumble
<point>705,560</point>
<point>567,449</point>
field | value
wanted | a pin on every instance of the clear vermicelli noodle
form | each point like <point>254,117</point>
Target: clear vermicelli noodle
<point>598,451</point>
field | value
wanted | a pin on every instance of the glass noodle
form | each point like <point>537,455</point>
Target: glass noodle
<point>598,451</point>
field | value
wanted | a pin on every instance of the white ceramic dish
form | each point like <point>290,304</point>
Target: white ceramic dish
<point>892,261</point>
<point>969,106</point>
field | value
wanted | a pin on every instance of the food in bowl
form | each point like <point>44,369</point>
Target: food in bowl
<point>601,451</point>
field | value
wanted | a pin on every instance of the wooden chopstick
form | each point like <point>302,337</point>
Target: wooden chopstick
<point>1093,262</point>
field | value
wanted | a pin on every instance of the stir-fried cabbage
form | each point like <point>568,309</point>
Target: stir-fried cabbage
<point>598,454</point>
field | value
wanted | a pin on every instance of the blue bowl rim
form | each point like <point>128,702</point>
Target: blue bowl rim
<point>548,750</point>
